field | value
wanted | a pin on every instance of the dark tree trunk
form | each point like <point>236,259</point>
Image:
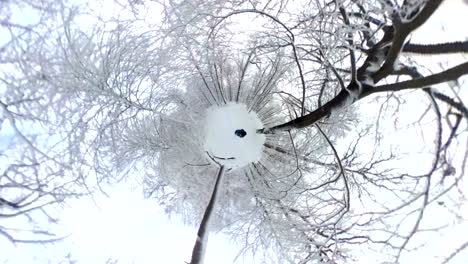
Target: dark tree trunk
<point>202,234</point>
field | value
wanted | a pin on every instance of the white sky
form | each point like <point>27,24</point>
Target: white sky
<point>127,227</point>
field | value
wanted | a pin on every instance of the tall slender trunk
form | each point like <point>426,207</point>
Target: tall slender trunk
<point>202,234</point>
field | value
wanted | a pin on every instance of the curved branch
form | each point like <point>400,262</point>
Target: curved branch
<point>342,170</point>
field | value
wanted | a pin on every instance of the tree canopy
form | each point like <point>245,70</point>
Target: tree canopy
<point>365,139</point>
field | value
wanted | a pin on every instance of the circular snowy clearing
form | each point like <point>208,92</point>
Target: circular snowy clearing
<point>231,137</point>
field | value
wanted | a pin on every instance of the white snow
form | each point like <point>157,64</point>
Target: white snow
<point>221,142</point>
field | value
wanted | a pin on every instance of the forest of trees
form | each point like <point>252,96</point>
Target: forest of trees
<point>365,140</point>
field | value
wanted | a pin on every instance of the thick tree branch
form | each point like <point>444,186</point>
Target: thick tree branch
<point>402,30</point>
<point>440,96</point>
<point>444,76</point>
<point>310,118</point>
<point>437,49</point>
<point>342,97</point>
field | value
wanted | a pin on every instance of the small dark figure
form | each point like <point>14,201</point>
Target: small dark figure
<point>240,133</point>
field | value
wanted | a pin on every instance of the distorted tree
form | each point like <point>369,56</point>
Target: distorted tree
<point>128,98</point>
<point>364,57</point>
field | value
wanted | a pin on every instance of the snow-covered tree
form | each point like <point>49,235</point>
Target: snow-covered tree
<point>37,169</point>
<point>333,86</point>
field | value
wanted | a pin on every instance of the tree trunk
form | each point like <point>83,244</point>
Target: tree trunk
<point>202,234</point>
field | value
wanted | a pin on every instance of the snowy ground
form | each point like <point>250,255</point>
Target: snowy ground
<point>230,135</point>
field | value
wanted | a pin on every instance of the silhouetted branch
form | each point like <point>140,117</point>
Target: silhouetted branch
<point>437,49</point>
<point>448,75</point>
<point>401,32</point>
<point>8,203</point>
<point>310,118</point>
